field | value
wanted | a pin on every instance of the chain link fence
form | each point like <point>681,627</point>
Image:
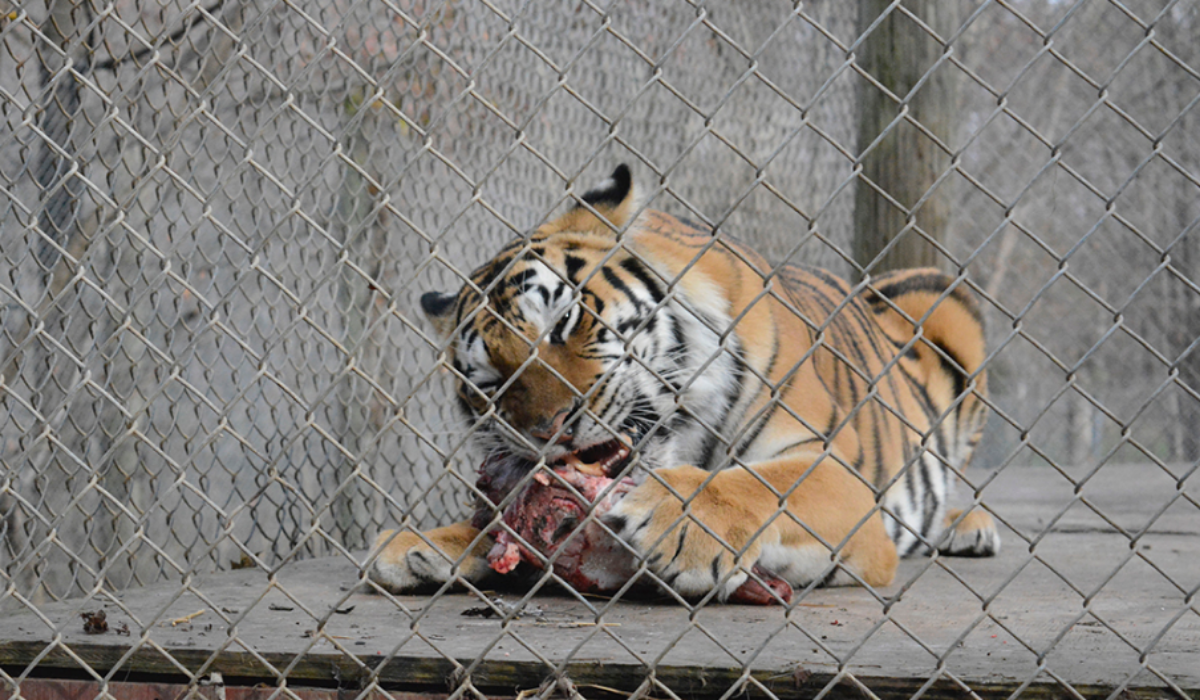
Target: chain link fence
<point>216,220</point>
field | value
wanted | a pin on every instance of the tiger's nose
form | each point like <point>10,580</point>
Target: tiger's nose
<point>547,429</point>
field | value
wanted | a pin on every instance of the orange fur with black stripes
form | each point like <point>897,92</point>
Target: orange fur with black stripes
<point>778,418</point>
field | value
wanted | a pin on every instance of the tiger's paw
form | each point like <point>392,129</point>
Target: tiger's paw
<point>692,553</point>
<point>407,561</point>
<point>975,536</point>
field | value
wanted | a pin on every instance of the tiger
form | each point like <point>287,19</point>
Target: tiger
<point>771,417</point>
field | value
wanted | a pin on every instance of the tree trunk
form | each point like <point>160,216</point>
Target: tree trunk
<point>897,210</point>
<point>61,192</point>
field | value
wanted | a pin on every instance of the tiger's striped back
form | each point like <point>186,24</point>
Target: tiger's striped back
<point>914,398</point>
<point>822,365</point>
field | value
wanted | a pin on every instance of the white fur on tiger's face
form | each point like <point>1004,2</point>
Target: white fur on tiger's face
<point>773,418</point>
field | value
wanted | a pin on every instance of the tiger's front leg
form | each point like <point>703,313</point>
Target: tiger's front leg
<point>714,544</point>
<point>408,561</point>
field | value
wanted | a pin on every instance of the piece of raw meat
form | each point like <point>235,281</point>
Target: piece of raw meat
<point>548,516</point>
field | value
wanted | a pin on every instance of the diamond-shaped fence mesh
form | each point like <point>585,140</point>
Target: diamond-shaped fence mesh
<point>217,220</point>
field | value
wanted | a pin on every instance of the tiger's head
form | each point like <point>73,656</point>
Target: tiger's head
<point>557,342</point>
<point>543,347</point>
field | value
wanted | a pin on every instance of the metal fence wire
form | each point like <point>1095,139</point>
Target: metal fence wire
<point>216,220</point>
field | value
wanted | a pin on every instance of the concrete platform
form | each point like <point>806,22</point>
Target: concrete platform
<point>1094,595</point>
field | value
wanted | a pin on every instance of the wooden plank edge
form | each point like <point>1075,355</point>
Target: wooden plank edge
<point>440,675</point>
<point>71,689</point>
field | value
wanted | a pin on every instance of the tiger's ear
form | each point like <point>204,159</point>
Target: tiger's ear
<point>614,197</point>
<point>439,309</point>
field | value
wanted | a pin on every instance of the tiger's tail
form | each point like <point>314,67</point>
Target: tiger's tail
<point>939,325</point>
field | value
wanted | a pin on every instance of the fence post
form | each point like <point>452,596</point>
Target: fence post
<point>905,163</point>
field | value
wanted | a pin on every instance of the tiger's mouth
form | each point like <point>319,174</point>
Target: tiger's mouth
<point>604,459</point>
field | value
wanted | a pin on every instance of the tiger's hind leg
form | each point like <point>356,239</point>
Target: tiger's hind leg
<point>975,536</point>
<point>407,561</point>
